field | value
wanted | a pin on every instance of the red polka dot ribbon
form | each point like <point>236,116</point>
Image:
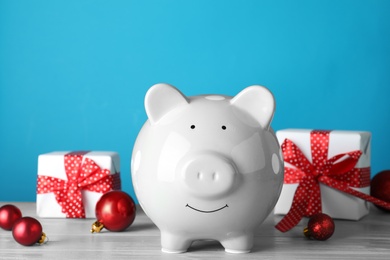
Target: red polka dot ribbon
<point>81,175</point>
<point>338,172</point>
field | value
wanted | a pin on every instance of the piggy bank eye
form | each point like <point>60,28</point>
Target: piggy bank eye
<point>192,126</point>
<point>223,127</point>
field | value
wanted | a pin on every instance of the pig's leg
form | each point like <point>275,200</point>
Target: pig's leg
<point>238,243</point>
<point>172,243</point>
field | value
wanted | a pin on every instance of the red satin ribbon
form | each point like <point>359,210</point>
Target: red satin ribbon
<point>337,172</point>
<point>81,175</point>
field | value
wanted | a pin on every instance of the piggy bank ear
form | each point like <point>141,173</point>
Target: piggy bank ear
<point>162,99</point>
<point>258,101</point>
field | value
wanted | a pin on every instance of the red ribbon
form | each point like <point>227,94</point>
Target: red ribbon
<point>81,175</point>
<point>338,172</point>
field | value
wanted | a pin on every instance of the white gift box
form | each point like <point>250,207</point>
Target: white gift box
<point>52,165</point>
<point>335,203</point>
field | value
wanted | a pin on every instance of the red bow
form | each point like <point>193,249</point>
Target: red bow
<point>337,172</point>
<point>81,175</point>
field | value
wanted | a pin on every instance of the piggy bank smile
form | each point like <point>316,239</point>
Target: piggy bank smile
<point>207,211</point>
<point>207,166</point>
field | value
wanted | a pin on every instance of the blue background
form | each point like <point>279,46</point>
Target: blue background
<point>73,74</point>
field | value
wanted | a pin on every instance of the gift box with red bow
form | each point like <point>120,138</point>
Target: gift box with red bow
<point>70,183</point>
<point>322,170</point>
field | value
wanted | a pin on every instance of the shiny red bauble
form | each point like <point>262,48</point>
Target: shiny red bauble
<point>320,227</point>
<point>9,214</point>
<point>27,231</point>
<point>115,210</point>
<point>380,187</point>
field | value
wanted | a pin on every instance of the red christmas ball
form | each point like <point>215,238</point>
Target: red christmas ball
<point>320,227</point>
<point>27,231</point>
<point>115,210</point>
<point>9,214</point>
<point>380,187</point>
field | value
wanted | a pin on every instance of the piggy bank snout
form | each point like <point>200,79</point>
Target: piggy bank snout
<point>208,175</point>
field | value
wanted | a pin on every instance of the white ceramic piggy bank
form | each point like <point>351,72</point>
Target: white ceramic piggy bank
<point>207,167</point>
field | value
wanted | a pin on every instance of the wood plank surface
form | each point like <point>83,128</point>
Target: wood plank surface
<point>366,239</point>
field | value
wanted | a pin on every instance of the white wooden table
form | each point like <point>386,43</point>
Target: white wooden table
<point>366,239</point>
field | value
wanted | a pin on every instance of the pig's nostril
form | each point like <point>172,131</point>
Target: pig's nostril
<point>200,176</point>
<point>214,176</point>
